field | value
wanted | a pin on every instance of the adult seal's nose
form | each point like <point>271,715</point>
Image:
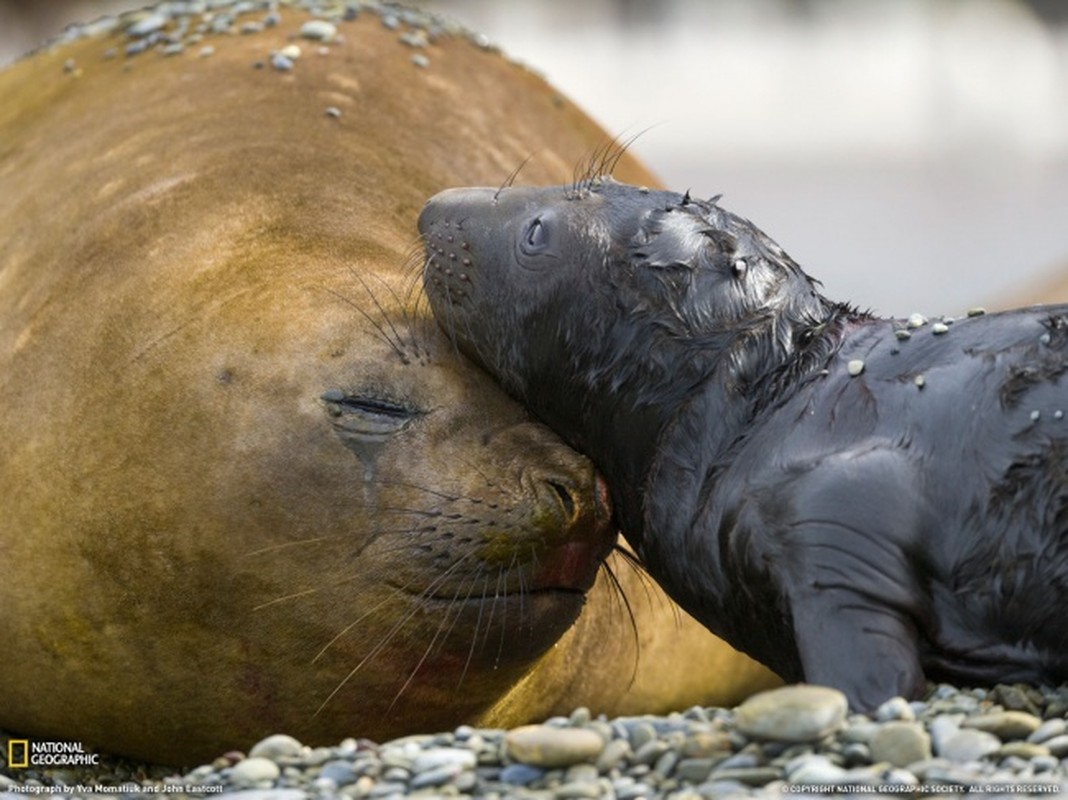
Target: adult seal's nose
<point>585,537</point>
<point>572,530</point>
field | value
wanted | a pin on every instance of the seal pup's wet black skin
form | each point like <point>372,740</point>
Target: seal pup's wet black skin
<point>852,501</point>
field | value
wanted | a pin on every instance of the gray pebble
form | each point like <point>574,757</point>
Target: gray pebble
<point>968,744</point>
<point>521,774</point>
<point>281,63</point>
<point>751,776</point>
<point>581,772</point>
<point>444,757</point>
<point>705,743</point>
<point>543,746</point>
<point>613,755</point>
<point>137,47</point>
<point>580,717</point>
<point>896,708</point>
<point>420,60</point>
<point>856,753</point>
<point>1047,730</point>
<point>1046,763</point>
<point>814,769</point>
<point>147,25</point>
<point>319,30</point>
<point>634,791</point>
<point>695,770</point>
<point>740,760</point>
<point>385,789</point>
<point>1005,724</point>
<point>665,765</point>
<point>641,734</point>
<point>577,791</point>
<point>901,743</point>
<point>943,728</point>
<point>278,746</point>
<point>859,730</point>
<point>415,39</point>
<point>798,713</point>
<point>340,772</point>
<point>1022,750</point>
<point>252,771</point>
<point>1057,746</point>
<point>436,776</point>
<point>649,752</point>
<point>324,786</point>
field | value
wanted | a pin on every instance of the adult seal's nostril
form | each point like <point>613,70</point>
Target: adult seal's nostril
<point>587,535</point>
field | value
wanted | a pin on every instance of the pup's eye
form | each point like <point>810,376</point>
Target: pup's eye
<point>536,237</point>
<point>539,239</point>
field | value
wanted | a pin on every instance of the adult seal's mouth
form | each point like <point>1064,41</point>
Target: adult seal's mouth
<point>573,565</point>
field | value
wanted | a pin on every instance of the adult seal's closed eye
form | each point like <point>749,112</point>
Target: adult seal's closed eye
<point>854,501</point>
<point>246,485</point>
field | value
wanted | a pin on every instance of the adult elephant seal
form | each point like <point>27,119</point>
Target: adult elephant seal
<point>247,485</point>
<point>854,501</point>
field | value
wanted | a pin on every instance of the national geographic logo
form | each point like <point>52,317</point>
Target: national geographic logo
<point>22,753</point>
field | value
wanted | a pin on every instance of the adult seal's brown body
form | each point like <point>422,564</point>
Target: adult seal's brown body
<point>247,485</point>
<point>855,501</point>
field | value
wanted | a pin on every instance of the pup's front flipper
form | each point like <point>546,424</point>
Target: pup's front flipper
<point>867,652</point>
<point>855,596</point>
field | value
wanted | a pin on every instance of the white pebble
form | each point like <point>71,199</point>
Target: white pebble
<point>939,327</point>
<point>444,757</point>
<point>855,367</point>
<point>916,320</point>
<point>318,29</point>
<point>279,745</point>
<point>252,771</point>
<point>291,51</point>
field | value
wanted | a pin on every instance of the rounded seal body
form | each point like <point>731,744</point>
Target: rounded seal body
<point>854,501</point>
<point>248,486</point>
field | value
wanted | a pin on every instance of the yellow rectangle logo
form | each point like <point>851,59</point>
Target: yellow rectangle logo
<point>18,753</point>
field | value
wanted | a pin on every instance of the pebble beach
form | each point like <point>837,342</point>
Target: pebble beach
<point>1008,741</point>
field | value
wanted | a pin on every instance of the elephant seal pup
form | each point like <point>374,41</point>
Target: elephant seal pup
<point>854,501</point>
<point>248,487</point>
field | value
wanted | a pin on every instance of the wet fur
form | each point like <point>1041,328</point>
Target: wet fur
<point>864,531</point>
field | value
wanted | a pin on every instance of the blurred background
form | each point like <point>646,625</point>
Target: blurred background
<point>912,154</point>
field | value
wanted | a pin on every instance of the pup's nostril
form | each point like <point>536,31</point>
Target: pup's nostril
<point>566,500</point>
